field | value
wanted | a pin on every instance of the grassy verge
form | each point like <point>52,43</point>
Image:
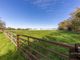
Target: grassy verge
<point>8,50</point>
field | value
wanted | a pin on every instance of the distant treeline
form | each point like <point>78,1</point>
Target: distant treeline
<point>73,23</point>
<point>10,28</point>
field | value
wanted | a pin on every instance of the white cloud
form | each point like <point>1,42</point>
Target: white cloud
<point>44,4</point>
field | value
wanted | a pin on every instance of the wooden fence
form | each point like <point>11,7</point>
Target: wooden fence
<point>31,46</point>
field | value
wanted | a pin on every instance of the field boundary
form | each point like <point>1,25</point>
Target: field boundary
<point>19,42</point>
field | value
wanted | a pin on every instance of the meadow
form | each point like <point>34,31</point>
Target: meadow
<point>51,35</point>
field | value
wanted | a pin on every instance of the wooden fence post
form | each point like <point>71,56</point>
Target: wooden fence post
<point>75,53</point>
<point>18,41</point>
<point>28,41</point>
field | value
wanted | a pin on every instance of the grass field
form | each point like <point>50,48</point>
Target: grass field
<point>8,50</point>
<point>53,35</point>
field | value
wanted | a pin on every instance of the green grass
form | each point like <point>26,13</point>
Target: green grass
<point>52,35</point>
<point>8,50</point>
<point>34,33</point>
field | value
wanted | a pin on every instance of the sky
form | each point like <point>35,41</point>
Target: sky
<point>36,13</point>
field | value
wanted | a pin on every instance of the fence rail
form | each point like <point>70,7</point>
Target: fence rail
<point>26,45</point>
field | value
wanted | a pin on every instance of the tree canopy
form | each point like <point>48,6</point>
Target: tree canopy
<point>2,24</point>
<point>73,23</point>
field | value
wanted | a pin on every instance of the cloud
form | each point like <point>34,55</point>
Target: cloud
<point>43,4</point>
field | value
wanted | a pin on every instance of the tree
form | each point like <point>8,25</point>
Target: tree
<point>2,25</point>
<point>9,28</point>
<point>65,25</point>
<point>73,23</point>
<point>76,20</point>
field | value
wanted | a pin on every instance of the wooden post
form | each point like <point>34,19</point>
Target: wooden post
<point>28,41</point>
<point>75,53</point>
<point>18,41</point>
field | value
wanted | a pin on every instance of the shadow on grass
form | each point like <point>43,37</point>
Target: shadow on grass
<point>17,55</point>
